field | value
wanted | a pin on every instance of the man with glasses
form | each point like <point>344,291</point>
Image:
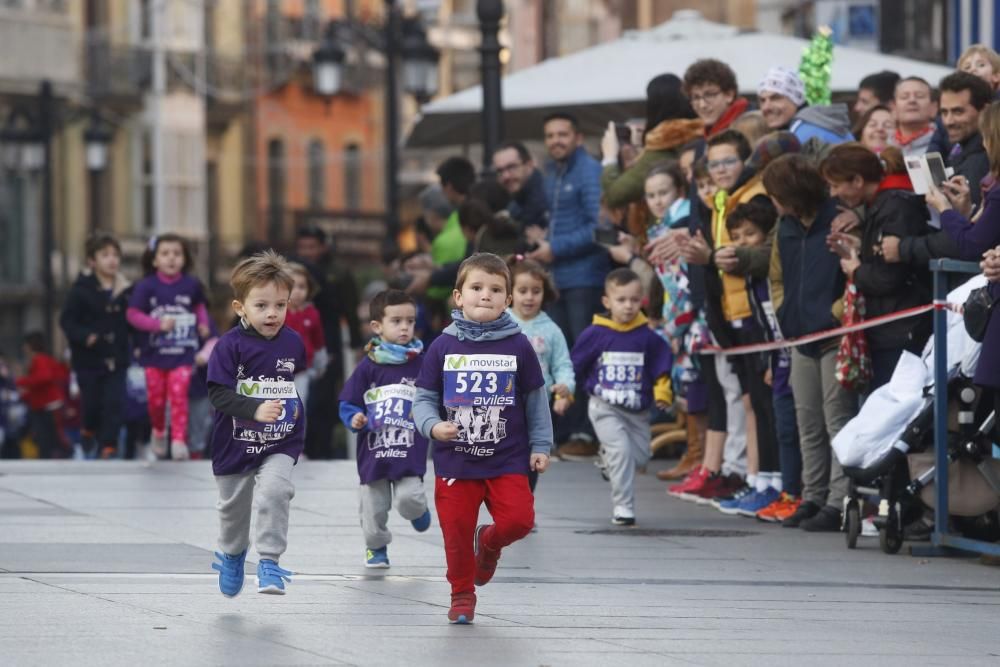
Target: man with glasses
<point>711,86</point>
<point>518,175</point>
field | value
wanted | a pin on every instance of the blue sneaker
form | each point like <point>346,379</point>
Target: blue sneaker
<point>729,505</point>
<point>271,578</point>
<point>230,572</point>
<point>422,522</point>
<point>757,501</point>
<point>377,558</point>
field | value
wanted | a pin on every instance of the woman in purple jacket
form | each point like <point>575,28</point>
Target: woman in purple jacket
<point>976,237</point>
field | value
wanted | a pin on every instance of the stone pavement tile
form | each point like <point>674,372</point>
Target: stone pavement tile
<point>106,557</point>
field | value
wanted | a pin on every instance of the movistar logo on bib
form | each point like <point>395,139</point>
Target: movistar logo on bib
<point>480,362</point>
<point>623,359</point>
<point>266,389</point>
<point>407,392</point>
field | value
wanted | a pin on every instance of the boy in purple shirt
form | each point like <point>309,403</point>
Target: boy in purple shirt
<point>481,398</point>
<point>259,422</point>
<point>624,366</point>
<point>377,403</point>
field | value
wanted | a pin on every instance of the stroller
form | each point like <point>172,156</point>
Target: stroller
<point>887,449</point>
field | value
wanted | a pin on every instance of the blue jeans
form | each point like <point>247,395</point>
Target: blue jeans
<point>788,444</point>
<point>573,312</point>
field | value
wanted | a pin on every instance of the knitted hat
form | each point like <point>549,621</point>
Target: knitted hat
<point>784,82</point>
<point>771,147</point>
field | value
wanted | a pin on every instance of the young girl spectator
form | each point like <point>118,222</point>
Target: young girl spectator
<point>666,197</point>
<point>304,319</point>
<point>42,389</point>
<point>168,309</point>
<point>533,288</point>
<point>982,61</point>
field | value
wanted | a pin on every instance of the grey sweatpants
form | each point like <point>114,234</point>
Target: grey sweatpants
<point>376,500</point>
<point>734,455</point>
<point>822,408</point>
<point>624,436</point>
<point>270,489</point>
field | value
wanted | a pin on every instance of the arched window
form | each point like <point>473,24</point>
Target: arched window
<point>316,157</point>
<point>352,177</point>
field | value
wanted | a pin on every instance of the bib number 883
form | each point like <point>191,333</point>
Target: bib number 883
<point>621,373</point>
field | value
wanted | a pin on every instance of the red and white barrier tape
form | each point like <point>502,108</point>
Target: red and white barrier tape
<point>832,333</point>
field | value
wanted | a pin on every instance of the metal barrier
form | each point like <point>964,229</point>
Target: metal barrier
<point>944,543</point>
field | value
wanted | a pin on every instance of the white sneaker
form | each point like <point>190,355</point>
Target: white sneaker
<point>158,445</point>
<point>179,451</point>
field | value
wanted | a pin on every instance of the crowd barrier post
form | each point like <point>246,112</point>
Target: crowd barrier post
<point>944,543</point>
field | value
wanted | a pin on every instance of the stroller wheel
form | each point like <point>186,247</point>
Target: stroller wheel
<point>852,522</point>
<point>890,541</point>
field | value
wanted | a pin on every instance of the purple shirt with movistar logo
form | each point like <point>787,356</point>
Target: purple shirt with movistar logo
<point>262,369</point>
<point>482,387</point>
<point>621,367</point>
<point>179,300</point>
<point>389,446</point>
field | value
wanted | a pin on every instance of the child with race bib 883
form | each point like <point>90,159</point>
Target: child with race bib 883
<point>168,309</point>
<point>377,403</point>
<point>625,366</point>
<point>259,428</point>
<point>481,398</point>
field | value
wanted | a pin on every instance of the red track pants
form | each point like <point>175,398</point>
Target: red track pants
<point>510,503</point>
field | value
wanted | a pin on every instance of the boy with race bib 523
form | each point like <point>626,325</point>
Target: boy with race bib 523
<point>481,398</point>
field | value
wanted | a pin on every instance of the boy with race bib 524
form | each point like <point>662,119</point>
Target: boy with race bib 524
<point>377,403</point>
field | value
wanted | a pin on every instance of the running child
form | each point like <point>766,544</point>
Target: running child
<point>377,403</point>
<point>168,309</point>
<point>259,428</point>
<point>305,320</point>
<point>626,367</point>
<point>533,288</point>
<point>93,320</point>
<point>481,398</point>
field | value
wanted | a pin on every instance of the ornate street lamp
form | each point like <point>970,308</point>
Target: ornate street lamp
<point>97,137</point>
<point>328,64</point>
<point>420,61</point>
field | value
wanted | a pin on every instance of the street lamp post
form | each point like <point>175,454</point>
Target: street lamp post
<point>401,37</point>
<point>45,122</point>
<point>490,12</point>
<point>97,137</point>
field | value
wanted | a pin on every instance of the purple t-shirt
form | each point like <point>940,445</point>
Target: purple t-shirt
<point>259,368</point>
<point>179,300</point>
<point>621,367</point>
<point>482,387</point>
<point>389,446</point>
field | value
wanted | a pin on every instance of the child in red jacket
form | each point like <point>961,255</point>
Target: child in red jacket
<point>303,318</point>
<point>42,388</point>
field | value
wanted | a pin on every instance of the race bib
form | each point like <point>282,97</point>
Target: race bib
<point>184,335</point>
<point>249,430</point>
<point>620,378</point>
<point>390,406</point>
<point>480,380</point>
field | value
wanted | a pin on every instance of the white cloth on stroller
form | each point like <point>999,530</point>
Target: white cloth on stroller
<point>890,408</point>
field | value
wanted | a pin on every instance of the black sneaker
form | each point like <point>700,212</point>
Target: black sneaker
<point>806,510</point>
<point>827,520</point>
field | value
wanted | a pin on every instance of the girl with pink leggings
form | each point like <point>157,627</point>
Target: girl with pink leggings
<point>169,311</point>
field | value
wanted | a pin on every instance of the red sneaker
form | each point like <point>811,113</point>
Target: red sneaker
<point>717,486</point>
<point>695,479</point>
<point>486,559</point>
<point>463,608</point>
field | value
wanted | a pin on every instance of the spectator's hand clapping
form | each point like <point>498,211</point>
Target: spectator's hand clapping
<point>668,247</point>
<point>846,220</point>
<point>991,265</point>
<point>726,259</point>
<point>625,250</point>
<point>609,144</point>
<point>696,251</point>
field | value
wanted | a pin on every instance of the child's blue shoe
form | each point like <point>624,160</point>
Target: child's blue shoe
<point>271,578</point>
<point>377,558</point>
<point>230,572</point>
<point>422,522</point>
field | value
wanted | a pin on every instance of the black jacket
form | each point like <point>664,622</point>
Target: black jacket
<point>889,288</point>
<point>973,163</point>
<point>92,310</point>
<point>811,275</point>
<point>530,206</point>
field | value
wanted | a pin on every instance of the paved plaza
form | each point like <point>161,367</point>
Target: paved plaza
<point>108,563</point>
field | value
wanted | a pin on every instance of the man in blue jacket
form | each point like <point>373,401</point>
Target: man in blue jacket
<point>579,265</point>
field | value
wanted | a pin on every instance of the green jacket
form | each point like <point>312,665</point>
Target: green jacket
<point>446,248</point>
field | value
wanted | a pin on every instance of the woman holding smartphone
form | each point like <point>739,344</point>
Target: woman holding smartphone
<point>857,176</point>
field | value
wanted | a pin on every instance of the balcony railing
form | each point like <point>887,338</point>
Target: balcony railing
<point>117,70</point>
<point>34,47</point>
